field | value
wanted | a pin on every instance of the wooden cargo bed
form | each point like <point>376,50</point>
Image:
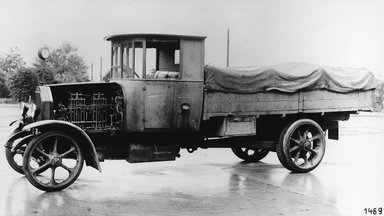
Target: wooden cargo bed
<point>276,103</point>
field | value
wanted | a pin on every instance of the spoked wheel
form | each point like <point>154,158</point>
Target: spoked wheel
<point>15,155</point>
<point>250,154</point>
<point>301,146</point>
<point>15,148</point>
<point>63,161</point>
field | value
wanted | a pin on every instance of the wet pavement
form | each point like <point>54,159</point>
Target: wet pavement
<point>215,182</point>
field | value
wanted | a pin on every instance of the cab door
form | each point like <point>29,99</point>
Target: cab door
<point>158,105</point>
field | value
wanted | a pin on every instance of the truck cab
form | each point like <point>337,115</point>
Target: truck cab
<point>162,80</point>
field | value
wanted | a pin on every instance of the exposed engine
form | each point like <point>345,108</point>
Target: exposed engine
<point>90,108</point>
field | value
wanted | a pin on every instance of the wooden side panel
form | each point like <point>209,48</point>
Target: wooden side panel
<point>192,59</point>
<point>327,101</point>
<point>324,100</point>
<point>367,100</point>
<point>216,102</point>
<point>266,103</point>
<point>223,104</point>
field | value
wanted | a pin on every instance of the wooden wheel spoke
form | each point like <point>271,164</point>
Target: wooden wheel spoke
<point>312,156</point>
<point>295,140</point>
<point>306,134</point>
<point>43,167</point>
<point>315,138</point>
<point>297,157</point>
<point>52,180</point>
<point>313,151</point>
<point>294,148</point>
<point>299,134</point>
<point>19,151</point>
<point>42,153</point>
<point>247,151</point>
<point>70,170</point>
<point>72,149</point>
<point>55,146</point>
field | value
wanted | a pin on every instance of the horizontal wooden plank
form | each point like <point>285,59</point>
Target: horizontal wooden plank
<point>222,104</point>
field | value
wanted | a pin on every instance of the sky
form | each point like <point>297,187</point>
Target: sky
<point>337,33</point>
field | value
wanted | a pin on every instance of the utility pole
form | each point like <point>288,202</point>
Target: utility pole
<point>101,68</point>
<point>92,72</point>
<point>228,48</point>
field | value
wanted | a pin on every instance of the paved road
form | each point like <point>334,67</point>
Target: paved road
<point>215,182</point>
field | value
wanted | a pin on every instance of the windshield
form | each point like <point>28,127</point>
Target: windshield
<point>146,59</point>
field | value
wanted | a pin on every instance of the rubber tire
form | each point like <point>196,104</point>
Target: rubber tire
<point>240,154</point>
<point>281,149</point>
<point>35,141</point>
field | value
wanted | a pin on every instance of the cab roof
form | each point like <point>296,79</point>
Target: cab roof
<point>152,35</point>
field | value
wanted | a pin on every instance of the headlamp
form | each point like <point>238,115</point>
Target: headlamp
<point>23,109</point>
<point>29,110</point>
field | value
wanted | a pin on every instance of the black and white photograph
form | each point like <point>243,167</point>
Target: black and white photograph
<point>181,107</point>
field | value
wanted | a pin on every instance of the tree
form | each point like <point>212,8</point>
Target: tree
<point>107,76</point>
<point>11,62</point>
<point>44,75</point>
<point>64,64</point>
<point>4,91</point>
<point>23,84</point>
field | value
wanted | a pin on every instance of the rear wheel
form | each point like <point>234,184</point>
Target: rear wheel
<point>63,161</point>
<point>250,154</point>
<point>301,146</point>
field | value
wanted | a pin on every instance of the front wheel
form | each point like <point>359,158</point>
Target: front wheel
<point>13,153</point>
<point>301,146</point>
<point>250,154</point>
<point>63,161</point>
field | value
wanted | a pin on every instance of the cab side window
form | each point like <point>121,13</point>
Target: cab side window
<point>147,59</point>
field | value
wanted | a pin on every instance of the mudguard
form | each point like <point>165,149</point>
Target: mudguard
<point>86,143</point>
<point>14,136</point>
<point>25,139</point>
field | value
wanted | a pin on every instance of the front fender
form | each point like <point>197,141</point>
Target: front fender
<point>17,134</point>
<point>86,143</point>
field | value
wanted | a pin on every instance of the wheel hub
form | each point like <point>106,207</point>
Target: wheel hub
<point>56,161</point>
<point>307,145</point>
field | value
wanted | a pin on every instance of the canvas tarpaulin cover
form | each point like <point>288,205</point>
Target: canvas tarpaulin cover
<point>288,77</point>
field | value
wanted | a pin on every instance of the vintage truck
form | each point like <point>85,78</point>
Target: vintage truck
<point>161,98</point>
